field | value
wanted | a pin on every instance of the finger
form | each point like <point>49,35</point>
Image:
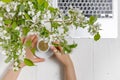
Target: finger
<point>53,49</point>
<point>59,47</point>
<point>33,37</point>
<point>38,60</point>
<point>57,53</point>
<point>34,42</point>
<point>29,54</point>
<point>23,39</point>
<point>28,38</point>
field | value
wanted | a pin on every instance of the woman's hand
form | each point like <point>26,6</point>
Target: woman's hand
<point>12,75</point>
<point>63,58</point>
<point>29,53</point>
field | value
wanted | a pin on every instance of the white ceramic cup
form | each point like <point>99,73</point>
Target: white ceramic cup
<point>43,54</point>
<point>41,50</point>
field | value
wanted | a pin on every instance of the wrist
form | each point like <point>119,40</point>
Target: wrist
<point>69,65</point>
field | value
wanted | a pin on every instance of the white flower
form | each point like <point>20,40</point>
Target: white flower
<point>15,4</point>
<point>34,19</point>
<point>11,14</point>
<point>30,5</point>
<point>0,44</point>
<point>21,13</point>
<point>38,14</point>
<point>23,51</point>
<point>7,37</point>
<point>17,28</point>
<point>3,52</point>
<point>8,8</point>
<point>45,16</point>
<point>1,4</point>
<point>1,29</point>
<point>1,18</point>
<point>1,24</point>
<point>42,22</point>
<point>4,31</point>
<point>16,64</point>
<point>29,2</point>
<point>22,56</point>
<point>1,21</point>
<point>2,37</point>
<point>98,24</point>
<point>15,68</point>
<point>31,13</point>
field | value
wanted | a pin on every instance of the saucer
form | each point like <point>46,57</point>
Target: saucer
<point>47,54</point>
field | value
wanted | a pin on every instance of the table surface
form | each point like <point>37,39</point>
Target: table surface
<point>51,69</point>
<point>92,61</point>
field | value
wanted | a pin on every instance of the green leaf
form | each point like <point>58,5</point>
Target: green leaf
<point>44,32</point>
<point>21,21</point>
<point>28,62</point>
<point>67,49</point>
<point>14,25</point>
<point>75,24</point>
<point>66,17</point>
<point>28,43</point>
<point>55,25</point>
<point>8,21</point>
<point>66,29</point>
<point>7,1</point>
<point>1,14</point>
<point>40,1</point>
<point>22,7</point>
<point>27,16</point>
<point>51,9</point>
<point>73,45</point>
<point>46,4</point>
<point>92,20</point>
<point>33,50</point>
<point>55,44</point>
<point>1,40</point>
<point>9,58</point>
<point>42,4</point>
<point>25,30</point>
<point>97,37</point>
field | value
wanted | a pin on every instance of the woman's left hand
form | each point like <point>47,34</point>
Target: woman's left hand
<point>29,53</point>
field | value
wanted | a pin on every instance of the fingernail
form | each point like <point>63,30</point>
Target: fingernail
<point>52,47</point>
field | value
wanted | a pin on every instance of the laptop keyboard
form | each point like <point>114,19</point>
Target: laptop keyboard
<point>99,8</point>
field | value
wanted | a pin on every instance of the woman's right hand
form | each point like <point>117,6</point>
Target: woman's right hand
<point>63,58</point>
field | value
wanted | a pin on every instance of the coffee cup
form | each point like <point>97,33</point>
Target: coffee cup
<point>43,46</point>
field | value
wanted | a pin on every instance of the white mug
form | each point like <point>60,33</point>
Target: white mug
<point>39,48</point>
<point>43,54</point>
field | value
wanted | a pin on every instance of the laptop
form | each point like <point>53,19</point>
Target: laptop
<point>105,10</point>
